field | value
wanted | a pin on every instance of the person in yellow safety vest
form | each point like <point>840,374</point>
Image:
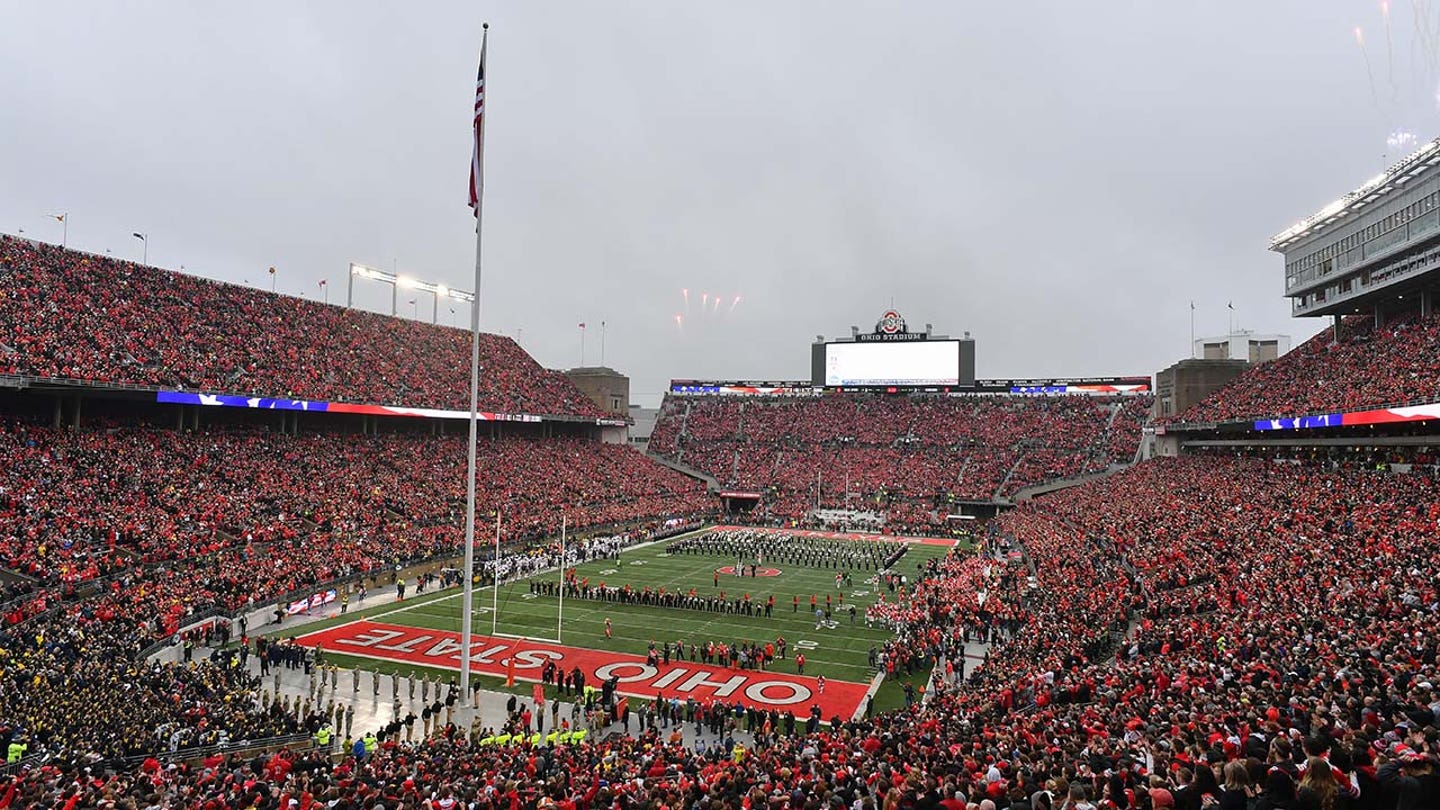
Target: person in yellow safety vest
<point>739,753</point>
<point>322,737</point>
<point>16,751</point>
<point>371,744</point>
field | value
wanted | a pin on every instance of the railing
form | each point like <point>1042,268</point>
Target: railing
<point>10,604</point>
<point>202,751</point>
<point>189,622</point>
<point>12,768</point>
<point>24,380</point>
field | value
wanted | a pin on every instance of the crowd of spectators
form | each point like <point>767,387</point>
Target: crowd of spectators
<point>80,505</point>
<point>1202,633</point>
<point>125,533</point>
<point>1363,366</point>
<point>857,450</point>
<point>1305,680</point>
<point>67,314</point>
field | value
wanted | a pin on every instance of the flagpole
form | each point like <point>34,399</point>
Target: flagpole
<point>467,599</point>
<point>1192,328</point>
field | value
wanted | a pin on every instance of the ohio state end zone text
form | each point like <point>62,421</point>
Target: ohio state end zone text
<point>682,679</point>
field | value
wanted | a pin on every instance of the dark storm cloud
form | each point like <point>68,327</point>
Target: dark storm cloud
<point>1058,179</point>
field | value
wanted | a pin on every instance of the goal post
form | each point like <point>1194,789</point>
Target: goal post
<point>499,581</point>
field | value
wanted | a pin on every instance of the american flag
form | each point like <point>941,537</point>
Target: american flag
<point>477,169</point>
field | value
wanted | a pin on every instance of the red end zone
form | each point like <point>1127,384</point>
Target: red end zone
<point>682,679</point>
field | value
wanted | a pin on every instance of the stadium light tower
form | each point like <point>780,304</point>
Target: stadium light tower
<point>396,282</point>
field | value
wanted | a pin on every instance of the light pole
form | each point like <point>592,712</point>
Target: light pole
<point>397,282</point>
<point>144,246</point>
<point>440,289</point>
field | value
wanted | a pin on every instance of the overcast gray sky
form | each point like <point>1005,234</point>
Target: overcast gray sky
<point>1059,178</point>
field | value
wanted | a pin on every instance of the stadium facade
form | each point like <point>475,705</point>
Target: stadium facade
<point>1371,249</point>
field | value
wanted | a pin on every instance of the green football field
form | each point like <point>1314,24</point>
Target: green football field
<point>840,652</point>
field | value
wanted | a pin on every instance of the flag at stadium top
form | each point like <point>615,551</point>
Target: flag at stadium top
<point>477,175</point>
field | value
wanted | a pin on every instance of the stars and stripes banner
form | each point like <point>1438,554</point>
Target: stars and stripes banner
<point>477,170</point>
<point>322,406</point>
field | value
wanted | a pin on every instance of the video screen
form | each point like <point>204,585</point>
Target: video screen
<point>921,362</point>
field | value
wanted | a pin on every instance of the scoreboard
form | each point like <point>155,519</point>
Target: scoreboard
<point>893,357</point>
<point>866,365</point>
<point>894,360</point>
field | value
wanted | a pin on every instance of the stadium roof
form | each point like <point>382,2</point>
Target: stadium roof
<point>594,371</point>
<point>1387,181</point>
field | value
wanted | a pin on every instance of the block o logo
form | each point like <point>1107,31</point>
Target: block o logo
<point>760,571</point>
<point>890,323</point>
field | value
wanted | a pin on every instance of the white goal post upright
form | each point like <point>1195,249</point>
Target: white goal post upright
<point>495,630</point>
<point>495,581</point>
<point>560,614</point>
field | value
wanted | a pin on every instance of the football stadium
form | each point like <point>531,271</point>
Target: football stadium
<point>262,549</point>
